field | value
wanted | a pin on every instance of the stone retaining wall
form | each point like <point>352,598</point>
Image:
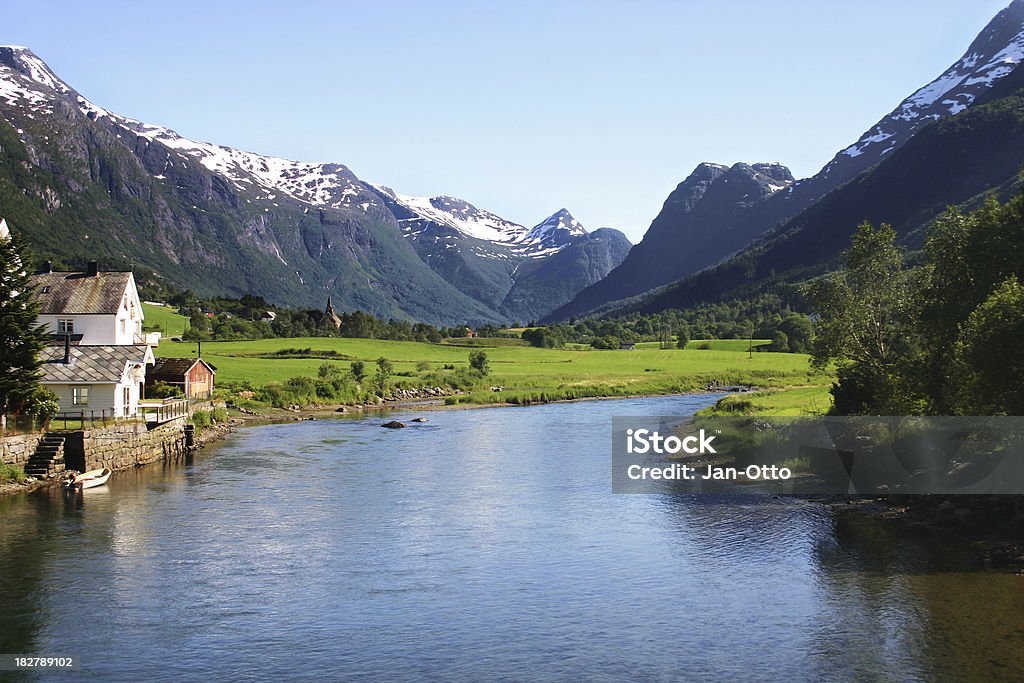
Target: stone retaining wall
<point>124,446</point>
<point>16,450</point>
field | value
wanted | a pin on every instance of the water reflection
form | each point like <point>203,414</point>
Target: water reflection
<point>481,544</point>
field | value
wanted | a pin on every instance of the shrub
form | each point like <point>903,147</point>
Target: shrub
<point>11,473</point>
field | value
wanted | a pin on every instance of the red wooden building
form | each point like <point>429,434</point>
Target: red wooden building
<point>194,375</point>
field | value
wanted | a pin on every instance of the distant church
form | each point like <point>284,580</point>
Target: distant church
<point>330,317</point>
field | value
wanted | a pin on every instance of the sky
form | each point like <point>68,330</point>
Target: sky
<point>519,107</point>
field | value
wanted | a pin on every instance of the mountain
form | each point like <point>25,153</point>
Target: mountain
<point>498,262</point>
<point>545,284</point>
<point>989,58</point>
<point>85,183</point>
<point>954,161</point>
<point>699,223</point>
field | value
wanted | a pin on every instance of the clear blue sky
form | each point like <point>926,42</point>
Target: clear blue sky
<point>518,107</point>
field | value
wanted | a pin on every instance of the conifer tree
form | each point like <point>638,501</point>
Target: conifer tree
<point>21,338</point>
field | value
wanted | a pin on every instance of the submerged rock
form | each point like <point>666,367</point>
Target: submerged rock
<point>420,419</point>
<point>394,424</point>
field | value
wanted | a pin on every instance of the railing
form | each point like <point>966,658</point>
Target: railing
<point>81,419</point>
<point>160,411</point>
<point>12,425</point>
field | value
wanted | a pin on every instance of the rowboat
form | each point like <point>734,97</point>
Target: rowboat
<point>88,480</point>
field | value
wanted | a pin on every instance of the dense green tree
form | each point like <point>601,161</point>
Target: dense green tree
<point>382,374</point>
<point>358,370</point>
<point>864,324</point>
<point>683,336</point>
<point>988,359</point>
<point>21,338</point>
<point>479,363</point>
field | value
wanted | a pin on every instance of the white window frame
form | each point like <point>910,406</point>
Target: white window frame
<point>65,326</point>
<point>80,396</point>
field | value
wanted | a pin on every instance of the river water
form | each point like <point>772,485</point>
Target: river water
<point>482,545</point>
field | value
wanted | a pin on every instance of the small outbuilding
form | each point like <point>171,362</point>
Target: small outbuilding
<point>627,346</point>
<point>194,376</point>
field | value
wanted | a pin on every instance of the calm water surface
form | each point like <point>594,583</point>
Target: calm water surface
<point>484,544</point>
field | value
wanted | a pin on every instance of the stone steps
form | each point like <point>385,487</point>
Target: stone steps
<point>48,458</point>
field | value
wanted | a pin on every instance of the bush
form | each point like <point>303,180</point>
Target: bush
<point>11,473</point>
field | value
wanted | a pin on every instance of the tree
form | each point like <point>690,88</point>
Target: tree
<point>864,322</point>
<point>21,338</point>
<point>384,370</point>
<point>798,331</point>
<point>988,358</point>
<point>358,370</point>
<point>683,336</point>
<point>478,361</point>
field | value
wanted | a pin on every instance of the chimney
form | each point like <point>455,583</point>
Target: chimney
<point>47,267</point>
<point>67,349</point>
<point>93,269</point>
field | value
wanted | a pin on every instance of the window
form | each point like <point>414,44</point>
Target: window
<point>66,326</point>
<point>123,328</point>
<point>80,396</point>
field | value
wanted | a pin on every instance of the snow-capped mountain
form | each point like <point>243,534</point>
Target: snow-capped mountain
<point>994,54</point>
<point>997,50</point>
<point>553,233</point>
<point>220,220</point>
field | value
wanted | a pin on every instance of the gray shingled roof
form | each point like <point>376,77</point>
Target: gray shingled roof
<point>89,363</point>
<point>80,294</point>
<point>174,367</point>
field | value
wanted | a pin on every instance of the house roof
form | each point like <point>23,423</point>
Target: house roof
<point>176,367</point>
<point>99,364</point>
<point>80,293</point>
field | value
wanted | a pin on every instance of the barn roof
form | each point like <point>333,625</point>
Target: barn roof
<point>176,367</point>
<point>80,293</point>
<point>99,364</point>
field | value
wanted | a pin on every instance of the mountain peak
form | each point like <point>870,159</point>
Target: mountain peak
<point>554,232</point>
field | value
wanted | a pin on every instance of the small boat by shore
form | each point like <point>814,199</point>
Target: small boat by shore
<point>88,480</point>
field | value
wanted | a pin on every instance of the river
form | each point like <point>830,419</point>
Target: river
<point>483,544</point>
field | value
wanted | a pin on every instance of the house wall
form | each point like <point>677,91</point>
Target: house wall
<point>95,329</point>
<point>101,397</point>
<point>200,382</point>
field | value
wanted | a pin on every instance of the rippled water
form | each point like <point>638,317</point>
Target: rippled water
<point>484,544</point>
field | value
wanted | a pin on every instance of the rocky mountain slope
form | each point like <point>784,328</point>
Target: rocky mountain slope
<point>990,57</point>
<point>954,161</point>
<point>701,221</point>
<point>85,183</point>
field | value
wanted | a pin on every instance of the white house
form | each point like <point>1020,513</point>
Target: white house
<point>99,381</point>
<point>92,308</point>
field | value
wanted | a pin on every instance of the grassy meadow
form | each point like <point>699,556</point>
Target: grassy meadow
<point>165,318</point>
<point>527,374</point>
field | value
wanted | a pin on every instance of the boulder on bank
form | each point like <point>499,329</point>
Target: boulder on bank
<point>394,424</point>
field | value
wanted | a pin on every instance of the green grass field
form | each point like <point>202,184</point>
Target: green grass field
<point>808,400</point>
<point>526,372</point>
<point>164,317</point>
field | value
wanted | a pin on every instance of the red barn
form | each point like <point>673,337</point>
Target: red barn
<point>194,375</point>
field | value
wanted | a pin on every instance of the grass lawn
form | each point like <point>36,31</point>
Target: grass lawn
<point>164,317</point>
<point>525,371</point>
<point>808,400</point>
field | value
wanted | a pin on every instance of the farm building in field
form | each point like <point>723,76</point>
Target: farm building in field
<point>194,376</point>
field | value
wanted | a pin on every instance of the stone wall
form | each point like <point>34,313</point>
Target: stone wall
<point>16,450</point>
<point>123,446</point>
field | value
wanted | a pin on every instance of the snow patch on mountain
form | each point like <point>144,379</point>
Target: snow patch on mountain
<point>995,53</point>
<point>457,214</point>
